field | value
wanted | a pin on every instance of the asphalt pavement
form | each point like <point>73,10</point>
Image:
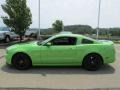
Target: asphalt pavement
<point>60,78</point>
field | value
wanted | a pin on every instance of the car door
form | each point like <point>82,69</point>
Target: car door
<point>13,35</point>
<point>61,51</point>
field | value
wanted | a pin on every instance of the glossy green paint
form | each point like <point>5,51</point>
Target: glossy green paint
<point>63,55</point>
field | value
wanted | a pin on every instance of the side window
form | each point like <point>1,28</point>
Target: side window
<point>64,41</point>
<point>86,41</point>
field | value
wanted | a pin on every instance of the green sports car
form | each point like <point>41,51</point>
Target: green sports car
<point>62,50</point>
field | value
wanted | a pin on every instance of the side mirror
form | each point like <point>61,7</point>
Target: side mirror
<point>48,44</point>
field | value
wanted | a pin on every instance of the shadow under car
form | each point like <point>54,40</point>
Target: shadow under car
<point>105,69</point>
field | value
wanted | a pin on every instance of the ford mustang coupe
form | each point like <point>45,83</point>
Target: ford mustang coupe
<point>62,50</point>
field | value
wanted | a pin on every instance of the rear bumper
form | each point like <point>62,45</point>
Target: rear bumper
<point>110,56</point>
<point>109,60</point>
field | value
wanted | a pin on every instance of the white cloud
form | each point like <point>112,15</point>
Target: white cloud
<point>80,12</point>
<point>33,4</point>
<point>71,12</point>
<point>110,13</point>
<point>74,12</point>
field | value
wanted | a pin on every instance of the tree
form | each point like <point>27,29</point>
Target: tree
<point>19,16</point>
<point>57,25</point>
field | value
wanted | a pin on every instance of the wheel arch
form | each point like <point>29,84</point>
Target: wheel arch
<point>95,54</point>
<point>7,35</point>
<point>21,53</point>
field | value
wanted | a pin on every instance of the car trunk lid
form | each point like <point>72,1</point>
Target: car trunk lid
<point>106,42</point>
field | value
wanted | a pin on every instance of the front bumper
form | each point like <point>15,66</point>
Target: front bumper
<point>2,38</point>
<point>8,59</point>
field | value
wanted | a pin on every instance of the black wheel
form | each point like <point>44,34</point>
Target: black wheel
<point>92,62</point>
<point>7,39</point>
<point>21,62</point>
<point>33,35</point>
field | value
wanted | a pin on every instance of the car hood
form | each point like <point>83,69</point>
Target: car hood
<point>22,45</point>
<point>3,32</point>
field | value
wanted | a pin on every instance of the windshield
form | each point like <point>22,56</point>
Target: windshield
<point>4,29</point>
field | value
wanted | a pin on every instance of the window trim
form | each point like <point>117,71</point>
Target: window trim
<point>91,41</point>
<point>63,37</point>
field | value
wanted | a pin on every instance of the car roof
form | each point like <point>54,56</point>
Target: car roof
<point>73,35</point>
<point>65,32</point>
<point>69,35</point>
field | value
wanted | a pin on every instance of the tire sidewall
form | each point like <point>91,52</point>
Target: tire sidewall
<point>88,67</point>
<point>7,39</point>
<point>16,59</point>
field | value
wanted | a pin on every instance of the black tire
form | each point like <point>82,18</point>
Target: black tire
<point>7,39</point>
<point>33,35</point>
<point>92,62</point>
<point>21,61</point>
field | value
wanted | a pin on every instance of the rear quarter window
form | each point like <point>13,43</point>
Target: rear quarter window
<point>87,41</point>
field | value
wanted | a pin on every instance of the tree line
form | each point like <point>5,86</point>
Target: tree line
<point>84,29</point>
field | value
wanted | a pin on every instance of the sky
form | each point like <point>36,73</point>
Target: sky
<point>73,12</point>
